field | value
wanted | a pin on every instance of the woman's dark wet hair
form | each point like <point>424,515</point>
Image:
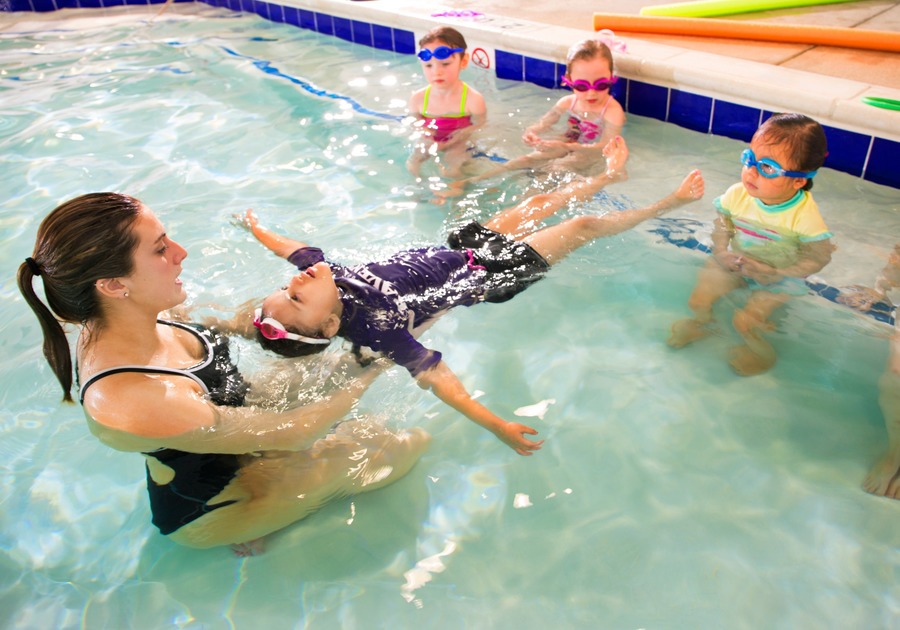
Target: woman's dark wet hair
<point>81,241</point>
<point>803,137</point>
<point>446,34</point>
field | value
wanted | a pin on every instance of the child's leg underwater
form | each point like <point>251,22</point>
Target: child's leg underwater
<point>713,283</point>
<point>756,355</point>
<point>884,478</point>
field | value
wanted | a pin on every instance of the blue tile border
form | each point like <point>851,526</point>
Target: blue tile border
<point>691,111</point>
<point>646,99</point>
<point>883,161</point>
<point>738,122</point>
<point>870,157</point>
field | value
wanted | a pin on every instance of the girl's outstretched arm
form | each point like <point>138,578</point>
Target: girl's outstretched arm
<point>278,244</point>
<point>446,385</point>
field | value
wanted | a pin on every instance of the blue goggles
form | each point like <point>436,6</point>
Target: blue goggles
<point>441,52</point>
<point>771,169</point>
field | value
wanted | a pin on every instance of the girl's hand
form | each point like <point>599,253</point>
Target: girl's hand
<point>729,260</point>
<point>513,435</point>
<point>861,298</point>
<point>760,272</point>
<point>248,220</point>
<point>531,138</point>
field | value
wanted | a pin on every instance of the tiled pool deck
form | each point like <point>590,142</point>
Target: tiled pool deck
<point>698,90</point>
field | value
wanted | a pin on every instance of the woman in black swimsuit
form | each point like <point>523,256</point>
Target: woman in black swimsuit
<point>218,472</point>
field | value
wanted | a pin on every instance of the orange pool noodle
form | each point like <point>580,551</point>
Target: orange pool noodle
<point>760,31</point>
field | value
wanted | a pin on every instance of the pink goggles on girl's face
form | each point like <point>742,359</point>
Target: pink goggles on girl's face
<point>274,329</point>
<point>600,85</point>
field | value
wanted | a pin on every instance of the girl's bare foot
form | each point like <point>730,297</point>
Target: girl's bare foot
<point>616,154</point>
<point>747,363</point>
<point>882,479</point>
<point>687,331</point>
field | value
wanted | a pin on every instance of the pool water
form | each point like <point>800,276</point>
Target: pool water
<point>670,493</point>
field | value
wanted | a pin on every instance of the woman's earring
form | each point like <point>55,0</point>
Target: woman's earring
<point>126,294</point>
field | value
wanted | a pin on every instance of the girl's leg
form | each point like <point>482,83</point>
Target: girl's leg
<point>451,160</point>
<point>532,160</point>
<point>713,283</point>
<point>756,355</point>
<point>557,241</point>
<point>884,478</point>
<point>522,218</point>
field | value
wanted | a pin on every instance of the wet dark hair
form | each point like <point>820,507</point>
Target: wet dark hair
<point>586,50</point>
<point>446,34</point>
<point>289,348</point>
<point>81,241</point>
<point>804,138</point>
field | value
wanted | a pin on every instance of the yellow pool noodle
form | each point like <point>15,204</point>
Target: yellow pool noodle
<point>712,8</point>
<point>862,39</point>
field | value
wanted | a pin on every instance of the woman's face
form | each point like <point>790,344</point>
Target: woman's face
<point>157,265</point>
<point>307,302</point>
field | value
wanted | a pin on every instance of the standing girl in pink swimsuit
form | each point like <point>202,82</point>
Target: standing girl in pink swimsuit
<point>448,109</point>
<point>592,118</point>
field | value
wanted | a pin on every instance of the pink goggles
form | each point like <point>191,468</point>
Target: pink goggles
<point>600,85</point>
<point>273,329</point>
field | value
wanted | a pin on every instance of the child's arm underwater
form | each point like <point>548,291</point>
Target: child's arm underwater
<point>614,122</point>
<point>814,257</point>
<point>441,380</point>
<point>532,135</point>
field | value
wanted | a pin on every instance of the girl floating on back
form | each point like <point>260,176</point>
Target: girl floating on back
<point>383,305</point>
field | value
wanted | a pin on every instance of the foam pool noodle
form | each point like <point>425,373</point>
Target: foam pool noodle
<point>712,8</point>
<point>861,39</point>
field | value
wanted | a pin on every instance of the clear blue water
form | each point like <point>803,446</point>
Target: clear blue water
<point>670,493</point>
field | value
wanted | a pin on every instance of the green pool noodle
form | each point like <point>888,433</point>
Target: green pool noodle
<point>711,8</point>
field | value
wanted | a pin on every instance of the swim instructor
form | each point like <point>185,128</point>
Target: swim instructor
<point>218,472</point>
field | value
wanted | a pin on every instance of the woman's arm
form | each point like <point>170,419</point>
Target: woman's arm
<point>441,380</point>
<point>145,412</point>
<point>241,323</point>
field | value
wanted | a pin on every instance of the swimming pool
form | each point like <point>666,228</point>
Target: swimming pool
<point>670,493</point>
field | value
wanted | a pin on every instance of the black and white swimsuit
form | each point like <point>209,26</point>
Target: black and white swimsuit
<point>198,476</point>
